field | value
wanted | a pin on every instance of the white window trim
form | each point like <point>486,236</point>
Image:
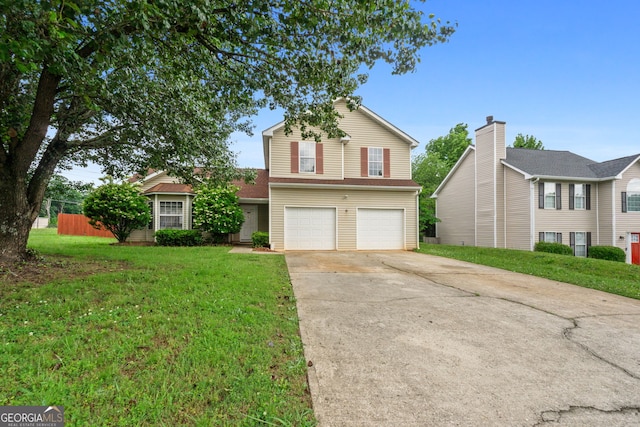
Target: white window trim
<point>575,248</point>
<point>370,162</point>
<point>583,197</point>
<point>171,215</point>
<point>633,190</point>
<point>551,184</point>
<point>312,156</point>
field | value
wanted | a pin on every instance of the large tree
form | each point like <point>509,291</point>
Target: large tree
<point>135,84</point>
<point>432,166</point>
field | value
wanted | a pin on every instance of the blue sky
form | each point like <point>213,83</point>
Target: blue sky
<point>566,72</point>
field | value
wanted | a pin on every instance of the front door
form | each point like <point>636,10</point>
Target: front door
<point>250,224</point>
<point>635,248</point>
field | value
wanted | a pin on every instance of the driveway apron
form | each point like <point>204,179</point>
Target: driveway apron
<point>406,339</point>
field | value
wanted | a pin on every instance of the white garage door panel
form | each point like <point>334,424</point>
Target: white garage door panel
<point>310,229</point>
<point>380,229</point>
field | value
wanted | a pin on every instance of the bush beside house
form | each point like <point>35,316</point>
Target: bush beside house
<point>553,248</point>
<point>610,253</point>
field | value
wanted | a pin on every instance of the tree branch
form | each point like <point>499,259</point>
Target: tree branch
<point>100,141</point>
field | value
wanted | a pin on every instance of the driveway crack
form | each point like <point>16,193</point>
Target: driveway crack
<point>555,416</point>
<point>566,332</point>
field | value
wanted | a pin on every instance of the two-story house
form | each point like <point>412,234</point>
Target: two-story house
<point>345,193</point>
<point>350,193</point>
<point>503,197</point>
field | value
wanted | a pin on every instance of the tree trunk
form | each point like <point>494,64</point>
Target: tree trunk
<point>16,218</point>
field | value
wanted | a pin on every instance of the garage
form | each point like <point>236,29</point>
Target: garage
<point>380,229</point>
<point>309,228</point>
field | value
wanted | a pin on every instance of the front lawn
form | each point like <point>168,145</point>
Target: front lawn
<point>613,277</point>
<point>141,335</point>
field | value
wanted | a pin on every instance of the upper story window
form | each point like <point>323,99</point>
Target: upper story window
<point>171,215</point>
<point>307,156</point>
<point>375,161</point>
<point>632,198</point>
<point>549,195</point>
<point>580,196</point>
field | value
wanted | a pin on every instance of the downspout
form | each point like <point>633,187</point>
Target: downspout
<point>504,206</point>
<point>532,210</point>
<point>613,213</point>
<point>597,213</point>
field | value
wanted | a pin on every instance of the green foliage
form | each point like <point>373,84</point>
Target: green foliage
<point>431,167</point>
<point>132,85</point>
<point>610,253</point>
<point>216,210</point>
<point>260,239</point>
<point>553,248</point>
<point>613,277</point>
<point>63,196</point>
<point>178,237</point>
<point>152,329</point>
<point>527,141</point>
<point>119,208</point>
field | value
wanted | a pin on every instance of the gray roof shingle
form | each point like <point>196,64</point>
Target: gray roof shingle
<point>563,164</point>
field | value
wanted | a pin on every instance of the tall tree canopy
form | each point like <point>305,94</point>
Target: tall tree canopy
<point>527,141</point>
<point>133,84</point>
<point>431,167</point>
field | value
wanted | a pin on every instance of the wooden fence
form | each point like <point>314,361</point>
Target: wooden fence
<point>78,225</point>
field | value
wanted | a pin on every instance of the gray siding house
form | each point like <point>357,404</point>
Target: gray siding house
<point>502,197</point>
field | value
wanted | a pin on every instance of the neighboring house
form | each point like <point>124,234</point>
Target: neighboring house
<point>348,193</point>
<point>502,197</point>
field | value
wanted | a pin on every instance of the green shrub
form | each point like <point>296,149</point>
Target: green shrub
<point>178,237</point>
<point>553,248</point>
<point>260,239</point>
<point>610,253</point>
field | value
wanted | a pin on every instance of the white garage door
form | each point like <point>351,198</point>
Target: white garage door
<point>309,228</point>
<point>380,229</point>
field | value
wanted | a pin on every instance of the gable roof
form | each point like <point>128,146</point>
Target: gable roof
<point>267,133</point>
<point>257,190</point>
<point>170,188</point>
<point>564,164</point>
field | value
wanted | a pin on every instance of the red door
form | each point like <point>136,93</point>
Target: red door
<point>635,248</point>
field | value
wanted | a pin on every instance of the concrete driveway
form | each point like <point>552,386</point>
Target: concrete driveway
<point>405,339</point>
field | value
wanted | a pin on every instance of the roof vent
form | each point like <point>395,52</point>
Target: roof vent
<point>489,120</point>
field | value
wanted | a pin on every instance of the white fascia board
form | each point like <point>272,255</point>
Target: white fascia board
<point>452,171</point>
<point>339,186</point>
<point>269,131</point>
<point>619,176</point>
<point>568,178</point>
<point>165,193</point>
<point>411,141</point>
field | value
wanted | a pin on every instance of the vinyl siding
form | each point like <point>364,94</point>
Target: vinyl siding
<point>489,180</point>
<point>363,131</point>
<point>161,178</point>
<point>346,210</point>
<point>565,220</point>
<point>455,206</point>
<point>518,212</point>
<point>627,222</point>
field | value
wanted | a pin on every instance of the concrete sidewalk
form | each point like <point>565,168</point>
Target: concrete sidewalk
<point>405,339</point>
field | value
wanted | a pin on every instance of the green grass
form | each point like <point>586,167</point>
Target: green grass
<point>613,277</point>
<point>180,336</point>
